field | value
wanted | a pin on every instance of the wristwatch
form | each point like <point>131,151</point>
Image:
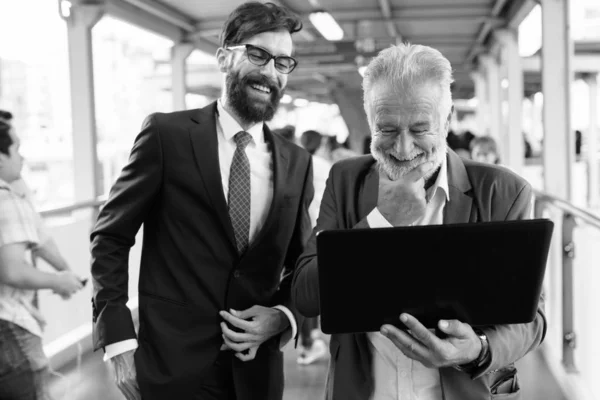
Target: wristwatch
<point>483,354</point>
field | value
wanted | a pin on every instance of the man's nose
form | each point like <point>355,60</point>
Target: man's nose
<point>404,144</point>
<point>269,70</point>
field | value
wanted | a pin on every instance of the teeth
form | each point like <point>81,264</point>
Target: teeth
<point>262,88</point>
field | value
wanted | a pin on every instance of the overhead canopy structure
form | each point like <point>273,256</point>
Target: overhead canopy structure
<point>460,29</point>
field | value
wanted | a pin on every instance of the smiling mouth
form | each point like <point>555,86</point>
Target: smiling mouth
<point>260,88</point>
<point>405,160</point>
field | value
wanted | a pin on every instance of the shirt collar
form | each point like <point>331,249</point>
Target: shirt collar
<point>230,126</point>
<point>440,183</point>
<point>4,185</point>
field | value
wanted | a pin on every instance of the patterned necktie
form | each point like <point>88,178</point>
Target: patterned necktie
<point>239,192</point>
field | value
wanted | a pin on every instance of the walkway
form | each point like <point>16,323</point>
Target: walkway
<point>93,382</point>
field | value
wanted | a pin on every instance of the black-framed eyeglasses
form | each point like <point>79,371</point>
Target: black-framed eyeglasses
<point>260,57</point>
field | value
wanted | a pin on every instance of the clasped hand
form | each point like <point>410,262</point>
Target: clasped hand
<point>257,324</point>
<point>461,346</point>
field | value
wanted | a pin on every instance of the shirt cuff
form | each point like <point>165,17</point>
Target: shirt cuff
<point>117,348</point>
<point>376,220</point>
<point>288,334</point>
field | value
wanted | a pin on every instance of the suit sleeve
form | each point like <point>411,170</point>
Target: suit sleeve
<point>130,201</point>
<point>509,343</point>
<point>297,244</point>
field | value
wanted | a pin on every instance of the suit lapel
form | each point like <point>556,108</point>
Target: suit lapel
<point>459,208</point>
<point>280,155</point>
<point>205,147</point>
<point>369,193</point>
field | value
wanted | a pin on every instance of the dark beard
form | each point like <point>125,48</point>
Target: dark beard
<point>252,111</point>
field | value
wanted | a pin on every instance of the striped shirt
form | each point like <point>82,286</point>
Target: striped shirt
<point>19,223</point>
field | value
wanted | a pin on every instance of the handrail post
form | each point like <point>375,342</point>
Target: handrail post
<point>569,337</point>
<point>538,208</point>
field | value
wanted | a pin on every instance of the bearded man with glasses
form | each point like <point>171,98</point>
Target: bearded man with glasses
<point>224,204</point>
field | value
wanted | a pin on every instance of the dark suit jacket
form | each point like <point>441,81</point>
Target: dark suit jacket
<point>190,268</point>
<point>478,192</point>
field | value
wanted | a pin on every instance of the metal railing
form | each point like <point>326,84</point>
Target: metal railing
<point>571,215</point>
<point>82,205</point>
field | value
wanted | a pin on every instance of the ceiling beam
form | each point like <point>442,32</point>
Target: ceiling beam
<point>165,13</point>
<point>411,12</point>
<point>485,29</point>
<point>125,11</point>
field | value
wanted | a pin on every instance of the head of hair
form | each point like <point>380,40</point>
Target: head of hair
<point>487,144</point>
<point>252,18</point>
<point>6,115</point>
<point>5,139</point>
<point>311,141</point>
<point>405,66</point>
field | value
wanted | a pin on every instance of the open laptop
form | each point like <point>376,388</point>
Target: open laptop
<point>484,273</point>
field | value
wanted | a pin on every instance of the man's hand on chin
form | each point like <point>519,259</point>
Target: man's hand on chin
<point>125,375</point>
<point>256,325</point>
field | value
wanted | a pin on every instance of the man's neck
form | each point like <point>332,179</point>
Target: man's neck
<point>245,125</point>
<point>431,181</point>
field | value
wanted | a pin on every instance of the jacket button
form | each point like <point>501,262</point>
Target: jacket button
<point>237,274</point>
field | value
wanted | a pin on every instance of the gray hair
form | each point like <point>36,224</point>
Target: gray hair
<point>403,66</point>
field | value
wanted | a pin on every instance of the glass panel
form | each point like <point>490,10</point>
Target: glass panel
<point>203,79</point>
<point>586,302</point>
<point>34,87</point>
<point>132,77</point>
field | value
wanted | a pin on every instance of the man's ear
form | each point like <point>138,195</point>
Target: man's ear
<point>449,119</point>
<point>223,59</point>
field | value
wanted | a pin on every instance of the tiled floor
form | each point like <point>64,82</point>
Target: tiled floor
<point>92,381</point>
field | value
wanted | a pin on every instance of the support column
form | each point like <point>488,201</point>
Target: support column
<point>592,143</point>
<point>482,114</point>
<point>492,75</point>
<point>85,157</point>
<point>514,147</point>
<point>179,54</point>
<point>557,50</point>
<point>352,111</point>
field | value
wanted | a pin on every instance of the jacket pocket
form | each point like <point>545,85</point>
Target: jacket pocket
<point>507,386</point>
<point>161,298</point>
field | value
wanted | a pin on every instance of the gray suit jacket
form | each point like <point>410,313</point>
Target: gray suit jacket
<point>478,192</point>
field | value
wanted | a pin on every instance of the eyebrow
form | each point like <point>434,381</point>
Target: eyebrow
<point>269,51</point>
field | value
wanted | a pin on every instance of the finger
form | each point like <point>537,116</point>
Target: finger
<point>455,328</point>
<point>238,337</point>
<point>250,355</point>
<point>224,347</point>
<point>136,389</point>
<point>419,172</point>
<point>248,313</point>
<point>420,332</point>
<point>235,321</point>
<point>237,347</point>
<point>403,341</point>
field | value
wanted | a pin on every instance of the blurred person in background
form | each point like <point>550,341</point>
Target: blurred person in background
<point>484,149</point>
<point>312,346</point>
<point>339,151</point>
<point>23,365</point>
<point>288,132</point>
<point>224,205</point>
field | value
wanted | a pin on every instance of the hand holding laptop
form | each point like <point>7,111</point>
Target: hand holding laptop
<point>461,345</point>
<point>403,201</point>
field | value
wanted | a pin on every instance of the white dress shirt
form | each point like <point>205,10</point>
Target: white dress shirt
<point>321,169</point>
<point>397,377</point>
<point>261,196</point>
